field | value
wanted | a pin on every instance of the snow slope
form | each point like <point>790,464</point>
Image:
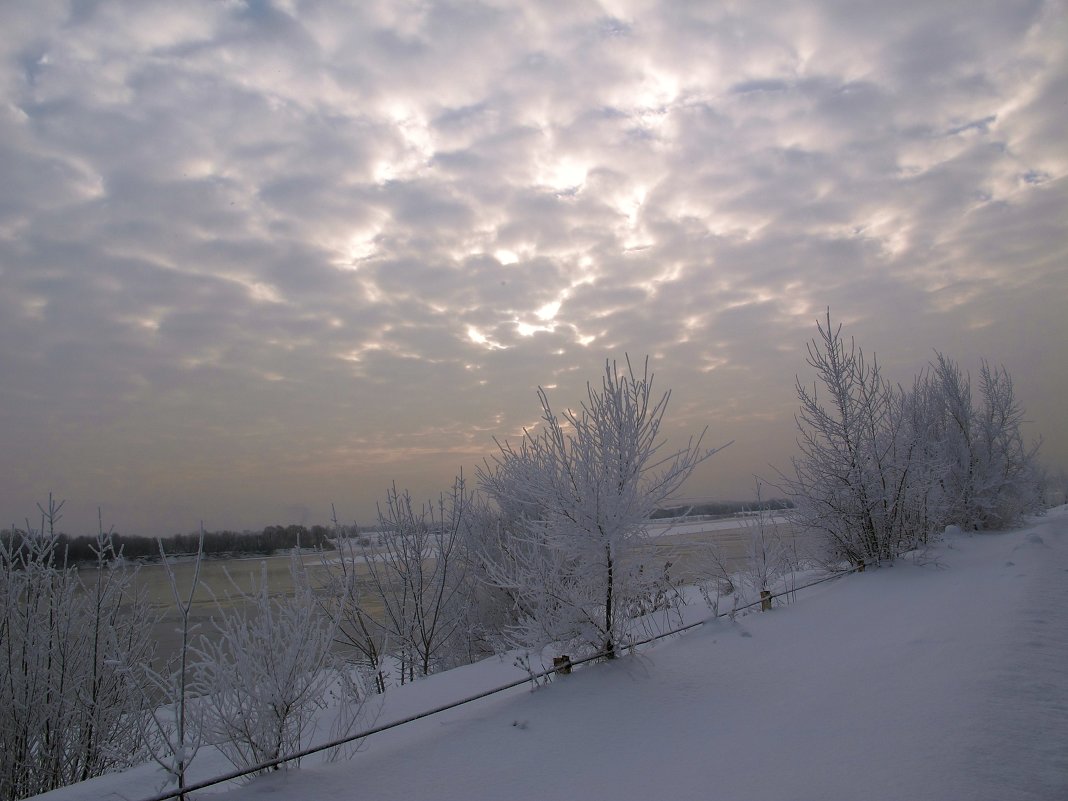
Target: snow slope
<point>938,678</point>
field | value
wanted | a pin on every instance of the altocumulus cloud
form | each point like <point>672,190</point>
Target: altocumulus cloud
<point>262,256</point>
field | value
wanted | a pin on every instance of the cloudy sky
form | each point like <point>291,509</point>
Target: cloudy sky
<point>257,257</point>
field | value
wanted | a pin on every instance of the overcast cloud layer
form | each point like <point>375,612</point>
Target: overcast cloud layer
<point>257,257</point>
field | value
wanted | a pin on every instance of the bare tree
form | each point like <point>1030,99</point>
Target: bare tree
<point>417,576</point>
<point>173,731</point>
<point>357,629</point>
<point>575,497</point>
<point>768,560</point>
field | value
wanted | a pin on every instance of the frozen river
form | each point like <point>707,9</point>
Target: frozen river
<point>695,549</point>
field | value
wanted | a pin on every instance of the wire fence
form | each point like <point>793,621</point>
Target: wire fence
<point>562,668</point>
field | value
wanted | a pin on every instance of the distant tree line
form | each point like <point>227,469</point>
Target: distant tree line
<point>216,543</point>
<point>76,549</point>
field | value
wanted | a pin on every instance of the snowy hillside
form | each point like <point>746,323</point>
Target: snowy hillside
<point>937,678</point>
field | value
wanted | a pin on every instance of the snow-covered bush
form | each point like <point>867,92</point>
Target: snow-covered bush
<point>269,672</point>
<point>574,498</point>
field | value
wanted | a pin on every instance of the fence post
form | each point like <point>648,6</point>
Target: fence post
<point>765,600</point>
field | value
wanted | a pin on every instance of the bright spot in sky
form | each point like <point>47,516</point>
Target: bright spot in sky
<point>565,175</point>
<point>479,338</point>
<point>264,292</point>
<point>548,311</point>
<point>528,330</point>
<point>360,247</point>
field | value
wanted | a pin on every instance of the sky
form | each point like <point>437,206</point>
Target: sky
<point>257,258</point>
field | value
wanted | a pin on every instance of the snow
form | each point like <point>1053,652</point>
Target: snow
<point>941,677</point>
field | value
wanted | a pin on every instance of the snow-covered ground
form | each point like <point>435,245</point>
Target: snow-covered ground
<point>938,678</point>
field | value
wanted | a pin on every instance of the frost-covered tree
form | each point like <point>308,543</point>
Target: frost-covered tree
<point>117,632</point>
<point>851,481</point>
<point>989,476</point>
<point>268,672</point>
<point>920,414</point>
<point>534,582</point>
<point>882,469</point>
<point>487,610</point>
<point>67,709</point>
<point>575,496</point>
